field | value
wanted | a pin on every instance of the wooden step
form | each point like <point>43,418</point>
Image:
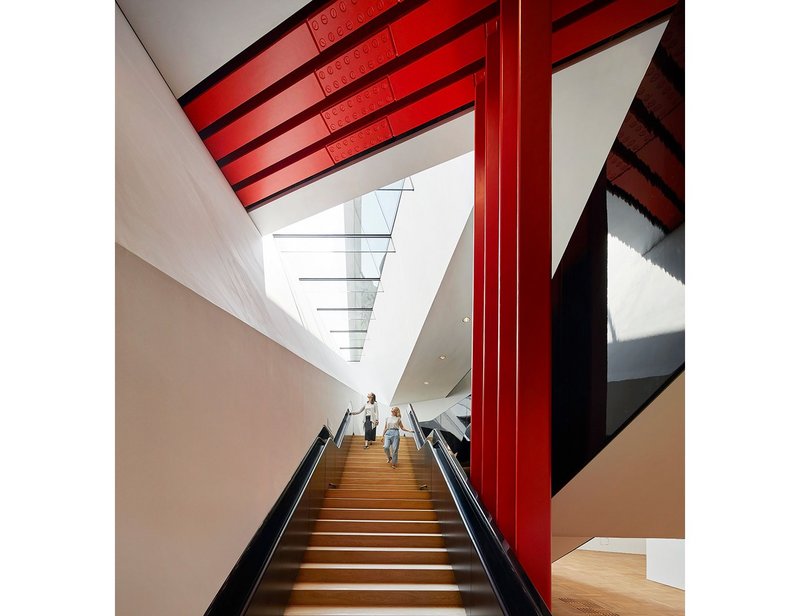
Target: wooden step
<point>389,474</point>
<point>377,503</point>
<point>375,594</point>
<point>378,449</point>
<point>377,540</point>
<point>380,452</point>
<point>379,462</point>
<point>378,556</point>
<point>408,574</point>
<point>376,526</point>
<point>377,445</point>
<point>354,513</point>
<point>375,483</point>
<point>381,475</point>
<point>340,610</point>
<point>384,466</point>
<point>385,493</point>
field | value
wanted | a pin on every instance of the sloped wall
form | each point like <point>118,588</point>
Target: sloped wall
<point>212,419</point>
<point>175,210</point>
<point>635,486</point>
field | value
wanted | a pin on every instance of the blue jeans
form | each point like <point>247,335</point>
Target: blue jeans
<point>391,443</point>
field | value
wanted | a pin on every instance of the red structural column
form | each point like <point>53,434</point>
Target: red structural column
<point>507,306</point>
<point>476,429</point>
<point>490,268</point>
<point>534,381</point>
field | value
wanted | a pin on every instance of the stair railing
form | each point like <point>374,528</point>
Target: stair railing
<point>513,591</point>
<point>236,593</point>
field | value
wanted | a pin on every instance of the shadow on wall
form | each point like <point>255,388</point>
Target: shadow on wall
<point>637,368</point>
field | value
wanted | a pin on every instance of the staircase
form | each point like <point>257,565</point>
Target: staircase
<point>377,546</point>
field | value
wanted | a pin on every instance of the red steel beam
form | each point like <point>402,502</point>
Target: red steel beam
<point>592,24</point>
<point>479,215</point>
<point>490,267</point>
<point>534,382</point>
<point>266,105</point>
<point>451,94</point>
<point>507,305</point>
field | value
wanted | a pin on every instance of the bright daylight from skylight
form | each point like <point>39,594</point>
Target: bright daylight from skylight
<point>333,262</point>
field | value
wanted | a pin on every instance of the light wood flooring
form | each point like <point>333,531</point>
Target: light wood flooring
<point>587,583</point>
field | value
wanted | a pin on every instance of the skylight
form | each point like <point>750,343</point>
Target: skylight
<point>334,261</point>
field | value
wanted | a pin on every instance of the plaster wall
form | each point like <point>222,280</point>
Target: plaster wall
<point>212,419</point>
<point>590,100</point>
<point>175,210</point>
<point>666,562</point>
<point>635,486</point>
<point>429,225</point>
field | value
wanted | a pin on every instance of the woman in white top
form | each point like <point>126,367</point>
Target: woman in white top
<point>391,436</point>
<point>370,419</point>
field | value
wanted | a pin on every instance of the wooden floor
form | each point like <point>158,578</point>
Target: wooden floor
<point>589,583</point>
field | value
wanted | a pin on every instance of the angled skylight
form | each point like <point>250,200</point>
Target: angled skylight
<point>334,261</point>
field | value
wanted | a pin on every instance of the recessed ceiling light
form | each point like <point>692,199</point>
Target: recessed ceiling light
<point>465,319</point>
<point>442,356</point>
<point>425,383</point>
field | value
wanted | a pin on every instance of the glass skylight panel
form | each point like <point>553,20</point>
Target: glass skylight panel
<point>344,319</point>
<point>334,243</point>
<point>341,266</point>
<point>351,338</point>
<point>336,258</point>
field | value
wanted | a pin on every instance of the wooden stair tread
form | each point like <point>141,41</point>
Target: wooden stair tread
<point>376,546</point>
<point>372,586</point>
<point>388,514</point>
<point>339,610</point>
<point>389,566</point>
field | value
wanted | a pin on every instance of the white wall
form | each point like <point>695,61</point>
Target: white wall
<point>646,307</point>
<point>429,224</point>
<point>176,211</point>
<point>666,562</point>
<point>590,101</point>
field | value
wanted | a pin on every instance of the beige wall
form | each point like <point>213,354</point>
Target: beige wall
<point>635,486</point>
<point>212,420</point>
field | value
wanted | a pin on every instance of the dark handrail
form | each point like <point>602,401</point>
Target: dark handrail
<point>513,590</point>
<point>342,429</point>
<point>419,437</point>
<point>236,592</point>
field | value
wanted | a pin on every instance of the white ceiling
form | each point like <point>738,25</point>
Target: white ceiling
<point>443,333</point>
<point>190,39</point>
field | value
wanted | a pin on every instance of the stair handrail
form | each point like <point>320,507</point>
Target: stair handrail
<point>236,592</point>
<point>419,437</point>
<point>513,589</point>
<point>340,433</point>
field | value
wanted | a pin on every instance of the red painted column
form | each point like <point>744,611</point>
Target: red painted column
<point>533,303</point>
<point>507,306</point>
<point>490,303</point>
<point>476,431</point>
